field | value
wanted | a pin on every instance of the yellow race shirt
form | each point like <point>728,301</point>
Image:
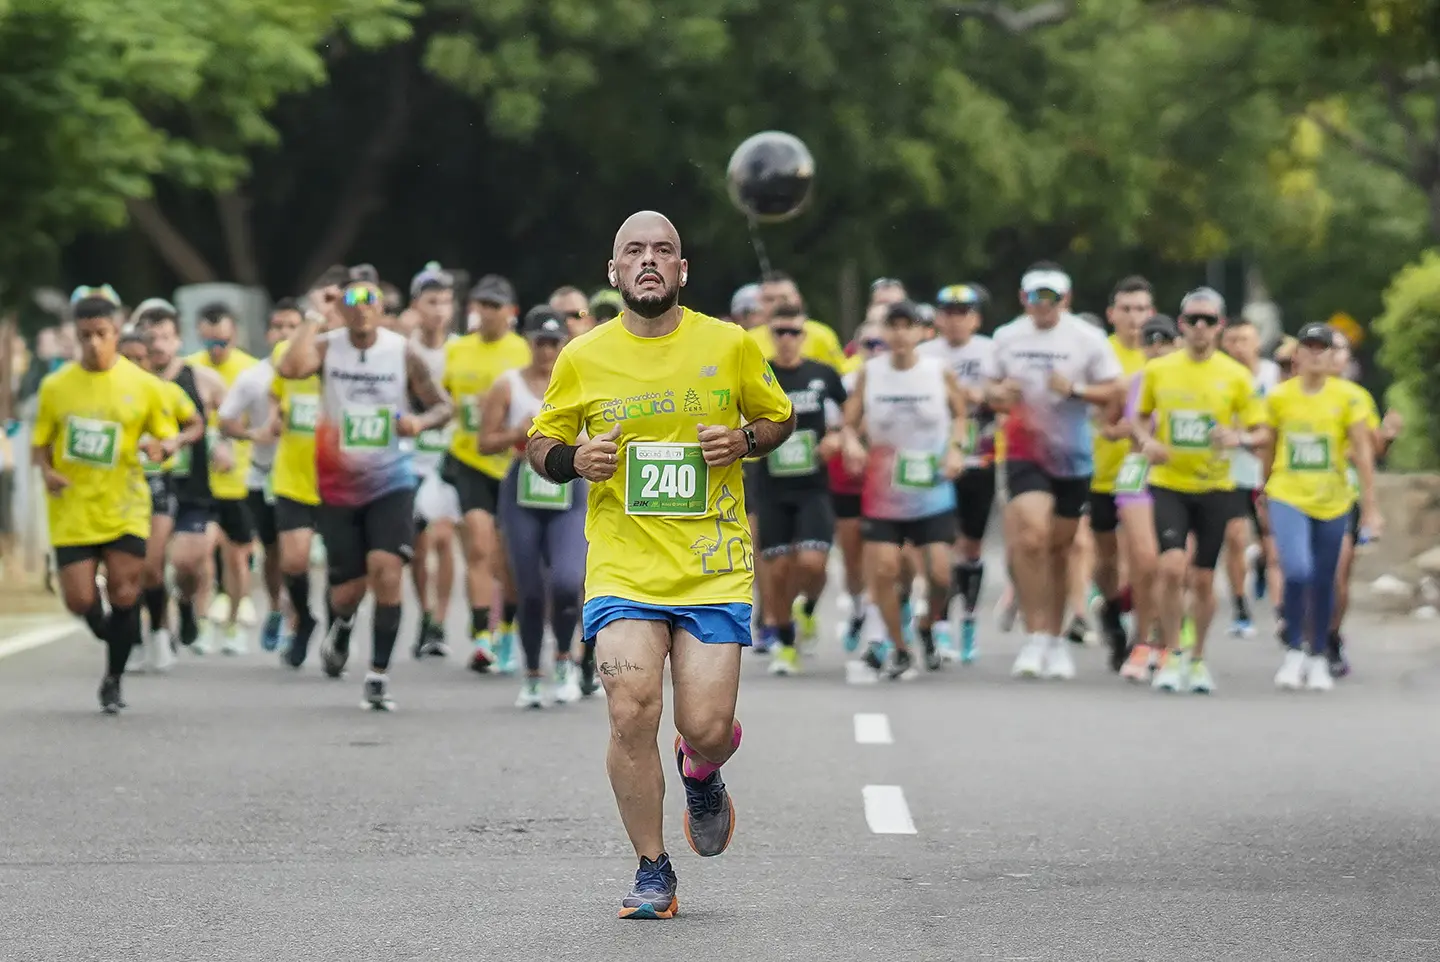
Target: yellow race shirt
<point>1312,446</point>
<point>92,423</point>
<point>1110,454</point>
<point>1372,421</point>
<point>821,344</point>
<point>292,475</point>
<point>1188,398</point>
<point>666,529</point>
<point>231,485</point>
<point>472,365</point>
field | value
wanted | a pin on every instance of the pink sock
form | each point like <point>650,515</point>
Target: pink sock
<point>702,769</point>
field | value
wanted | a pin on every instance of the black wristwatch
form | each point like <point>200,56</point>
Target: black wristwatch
<point>750,443</point>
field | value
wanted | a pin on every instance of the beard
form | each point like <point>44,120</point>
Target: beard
<point>651,306</point>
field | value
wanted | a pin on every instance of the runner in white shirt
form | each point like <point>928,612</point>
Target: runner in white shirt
<point>1050,369</point>
<point>251,413</point>
<point>437,505</point>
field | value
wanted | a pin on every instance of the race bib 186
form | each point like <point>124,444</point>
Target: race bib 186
<point>916,469</point>
<point>666,479</point>
<point>1308,452</point>
<point>367,428</point>
<point>1190,429</point>
<point>304,412</point>
<point>93,442</point>
<point>794,458</point>
<point>1133,471</point>
<point>534,491</point>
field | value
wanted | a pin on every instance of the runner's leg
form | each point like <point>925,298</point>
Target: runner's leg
<point>631,655</point>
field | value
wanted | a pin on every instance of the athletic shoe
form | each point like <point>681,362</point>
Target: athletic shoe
<point>377,693</point>
<point>1317,674</point>
<point>110,702</point>
<point>335,649</point>
<point>1187,633</point>
<point>1139,665</point>
<point>567,683</point>
<point>709,814</point>
<point>1198,680</point>
<point>219,610</point>
<point>1242,628</point>
<point>1335,652</point>
<point>270,634</point>
<point>205,639</point>
<point>1079,632</point>
<point>432,642</point>
<point>1172,673</point>
<point>807,627</point>
<point>507,656</point>
<point>482,657</point>
<point>589,684</point>
<point>245,614</point>
<point>967,640</point>
<point>1058,662</point>
<point>851,638</point>
<point>653,896</point>
<point>532,694</point>
<point>1031,660</point>
<point>874,656</point>
<point>1292,671</point>
<point>234,641</point>
<point>933,656</point>
<point>945,641</point>
<point>785,660</point>
<point>299,647</point>
<point>159,651</point>
<point>902,666</point>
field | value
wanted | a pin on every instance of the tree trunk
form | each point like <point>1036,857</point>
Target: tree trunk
<point>234,209</point>
<point>178,252</point>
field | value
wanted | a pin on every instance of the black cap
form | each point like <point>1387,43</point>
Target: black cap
<point>1317,334</point>
<point>904,310</point>
<point>493,289</point>
<point>543,322</point>
<point>1159,327</point>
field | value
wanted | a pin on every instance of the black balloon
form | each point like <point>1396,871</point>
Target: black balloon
<point>770,176</point>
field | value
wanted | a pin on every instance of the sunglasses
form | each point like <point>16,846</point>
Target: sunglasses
<point>356,296</point>
<point>787,331</point>
<point>1043,297</point>
<point>216,343</point>
<point>873,344</point>
<point>957,309</point>
<point>1205,320</point>
<point>1318,345</point>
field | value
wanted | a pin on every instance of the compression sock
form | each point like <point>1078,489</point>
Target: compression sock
<point>95,618</point>
<point>809,607</point>
<point>157,600</point>
<point>508,612</point>
<point>189,629</point>
<point>298,588</point>
<point>695,768</point>
<point>972,576</point>
<point>786,634</point>
<point>121,636</point>
<point>479,621</point>
<point>1242,610</point>
<point>386,625</point>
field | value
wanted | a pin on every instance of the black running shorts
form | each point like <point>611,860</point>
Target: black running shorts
<point>386,524</point>
<point>1205,515</point>
<point>935,529</point>
<point>1072,495</point>
<point>974,499</point>
<point>69,554</point>
<point>796,522</point>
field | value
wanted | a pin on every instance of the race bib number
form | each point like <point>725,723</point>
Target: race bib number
<point>1352,478</point>
<point>1133,471</point>
<point>304,413</point>
<point>794,458</point>
<point>180,464</point>
<point>970,443</point>
<point>1308,452</point>
<point>149,467</point>
<point>435,440</point>
<point>1190,429</point>
<point>916,469</point>
<point>534,491</point>
<point>367,428</point>
<point>470,415</point>
<point>92,442</point>
<point>666,480</point>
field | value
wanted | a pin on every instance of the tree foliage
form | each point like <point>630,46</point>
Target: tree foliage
<point>1410,329</point>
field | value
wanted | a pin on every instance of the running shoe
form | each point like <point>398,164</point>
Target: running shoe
<point>377,693</point>
<point>507,654</point>
<point>1291,675</point>
<point>709,813</point>
<point>945,641</point>
<point>205,639</point>
<point>852,635</point>
<point>159,651</point>
<point>234,641</point>
<point>299,647</point>
<point>1059,664</point>
<point>567,683</point>
<point>1317,674</point>
<point>532,693</point>
<point>1187,633</point>
<point>967,640</point>
<point>482,657</point>
<point>1172,673</point>
<point>417,650</point>
<point>902,665</point>
<point>1079,632</point>
<point>1139,665</point>
<point>1335,653</point>
<point>807,627</point>
<point>270,634</point>
<point>245,614</point>
<point>589,684</point>
<point>432,642</point>
<point>335,649</point>
<point>1242,628</point>
<point>785,660</point>
<point>875,654</point>
<point>219,610</point>
<point>110,701</point>
<point>653,896</point>
<point>1199,680</point>
<point>1031,660</point>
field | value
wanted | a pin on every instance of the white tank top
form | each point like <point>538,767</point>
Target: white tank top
<point>430,446</point>
<point>358,452</point>
<point>907,410</point>
<point>523,402</point>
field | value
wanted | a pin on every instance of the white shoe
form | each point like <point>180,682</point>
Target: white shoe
<point>1058,663</point>
<point>245,615</point>
<point>1030,663</point>
<point>532,695</point>
<point>1198,679</point>
<point>234,641</point>
<point>1317,674</point>
<point>159,655</point>
<point>1174,669</point>
<point>219,610</point>
<point>1292,671</point>
<point>205,640</point>
<point>567,683</point>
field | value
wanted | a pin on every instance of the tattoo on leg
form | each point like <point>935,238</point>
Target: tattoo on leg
<point>612,668</point>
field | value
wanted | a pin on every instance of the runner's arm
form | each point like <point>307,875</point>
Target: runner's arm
<point>855,409</point>
<point>494,436</point>
<point>438,407</point>
<point>959,408</point>
<point>1362,455</point>
<point>305,354</point>
<point>233,414</point>
<point>558,425</point>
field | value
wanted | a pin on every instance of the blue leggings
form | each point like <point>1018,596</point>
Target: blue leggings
<point>547,558</point>
<point>1309,556</point>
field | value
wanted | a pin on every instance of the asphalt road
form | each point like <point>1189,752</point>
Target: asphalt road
<point>241,812</point>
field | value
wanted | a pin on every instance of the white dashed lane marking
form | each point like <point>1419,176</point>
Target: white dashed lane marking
<point>886,811</point>
<point>873,730</point>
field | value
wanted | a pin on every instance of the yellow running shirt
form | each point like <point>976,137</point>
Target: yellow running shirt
<point>1110,454</point>
<point>1188,398</point>
<point>1312,447</point>
<point>666,529</point>
<point>472,365</point>
<point>230,485</point>
<point>1372,421</point>
<point>92,422</point>
<point>821,344</point>
<point>292,475</point>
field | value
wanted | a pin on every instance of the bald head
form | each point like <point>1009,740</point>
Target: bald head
<point>646,266</point>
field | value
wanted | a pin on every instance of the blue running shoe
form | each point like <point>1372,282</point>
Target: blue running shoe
<point>506,659</point>
<point>653,896</point>
<point>709,815</point>
<point>769,638</point>
<point>270,634</point>
<point>967,641</point>
<point>852,637</point>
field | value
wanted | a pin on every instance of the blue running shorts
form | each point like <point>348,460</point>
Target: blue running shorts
<point>712,624</point>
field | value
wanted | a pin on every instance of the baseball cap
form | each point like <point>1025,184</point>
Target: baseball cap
<point>1160,327</point>
<point>959,295</point>
<point>157,304</point>
<point>904,311</point>
<point>493,289</point>
<point>746,300</point>
<point>927,314</point>
<point>1317,334</point>
<point>881,282</point>
<point>1045,280</point>
<point>431,275</point>
<point>606,303</point>
<point>543,322</point>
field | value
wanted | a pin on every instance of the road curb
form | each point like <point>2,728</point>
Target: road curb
<point>37,637</point>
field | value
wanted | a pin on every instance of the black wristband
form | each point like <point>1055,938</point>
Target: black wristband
<point>560,463</point>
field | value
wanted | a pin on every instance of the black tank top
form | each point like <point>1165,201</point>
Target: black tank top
<point>194,488</point>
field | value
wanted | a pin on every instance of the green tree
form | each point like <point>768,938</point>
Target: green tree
<point>1410,332</point>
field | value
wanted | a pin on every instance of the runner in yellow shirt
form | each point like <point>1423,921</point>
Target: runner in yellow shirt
<point>1319,426</point>
<point>472,365</point>
<point>87,442</point>
<point>780,297</point>
<point>232,605</point>
<point>1203,406</point>
<point>663,392</point>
